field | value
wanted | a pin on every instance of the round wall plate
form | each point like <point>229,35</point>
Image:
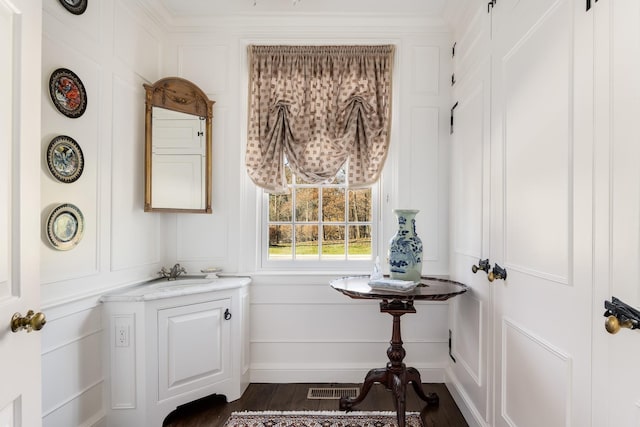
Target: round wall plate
<point>65,226</point>
<point>67,93</point>
<point>65,159</point>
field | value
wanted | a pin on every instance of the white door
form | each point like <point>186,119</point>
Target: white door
<point>541,165</point>
<point>616,368</point>
<point>471,364</point>
<point>20,72</point>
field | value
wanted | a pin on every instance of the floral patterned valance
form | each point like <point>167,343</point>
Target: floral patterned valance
<point>317,107</point>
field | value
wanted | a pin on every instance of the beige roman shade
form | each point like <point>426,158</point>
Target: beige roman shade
<point>317,107</point>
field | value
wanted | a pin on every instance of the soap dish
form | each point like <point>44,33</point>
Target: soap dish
<point>211,272</point>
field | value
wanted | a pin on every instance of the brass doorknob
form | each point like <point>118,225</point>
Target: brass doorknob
<point>613,325</point>
<point>483,265</point>
<point>30,322</point>
<point>497,273</point>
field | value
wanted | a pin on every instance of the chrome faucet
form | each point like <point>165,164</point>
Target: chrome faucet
<point>172,274</point>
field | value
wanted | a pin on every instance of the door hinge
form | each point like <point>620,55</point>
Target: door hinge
<point>450,352</point>
<point>200,133</point>
<point>453,50</point>
<point>452,108</point>
<point>453,79</point>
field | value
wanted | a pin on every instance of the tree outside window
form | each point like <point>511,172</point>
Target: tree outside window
<point>325,221</point>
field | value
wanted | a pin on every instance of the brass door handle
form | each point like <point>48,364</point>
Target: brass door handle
<point>483,265</point>
<point>620,315</point>
<point>30,322</point>
<point>497,273</point>
<point>613,325</point>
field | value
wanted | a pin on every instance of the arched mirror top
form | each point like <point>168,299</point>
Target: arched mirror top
<point>178,94</point>
<point>177,147</point>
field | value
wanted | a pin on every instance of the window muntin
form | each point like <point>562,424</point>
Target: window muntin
<point>317,225</point>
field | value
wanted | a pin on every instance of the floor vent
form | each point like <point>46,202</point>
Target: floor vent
<point>332,392</point>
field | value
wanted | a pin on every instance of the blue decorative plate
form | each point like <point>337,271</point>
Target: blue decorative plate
<point>65,159</point>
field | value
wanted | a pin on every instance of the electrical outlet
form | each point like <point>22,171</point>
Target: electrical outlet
<point>122,335</point>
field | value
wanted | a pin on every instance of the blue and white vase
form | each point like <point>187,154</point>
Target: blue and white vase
<point>405,248</point>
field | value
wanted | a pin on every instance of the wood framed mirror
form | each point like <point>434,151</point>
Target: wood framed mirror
<point>178,118</point>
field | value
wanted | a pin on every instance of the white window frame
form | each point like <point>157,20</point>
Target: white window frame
<point>337,266</point>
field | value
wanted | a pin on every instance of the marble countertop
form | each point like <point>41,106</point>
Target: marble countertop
<point>163,288</point>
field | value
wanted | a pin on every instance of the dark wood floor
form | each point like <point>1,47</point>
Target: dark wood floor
<point>213,411</point>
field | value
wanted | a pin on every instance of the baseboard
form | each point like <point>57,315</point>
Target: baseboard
<point>271,373</point>
<point>468,410</point>
<point>97,421</point>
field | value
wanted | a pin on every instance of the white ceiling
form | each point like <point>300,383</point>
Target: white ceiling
<point>193,8</point>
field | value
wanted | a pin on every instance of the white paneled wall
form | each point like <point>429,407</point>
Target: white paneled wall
<point>72,364</point>
<point>311,333</point>
<point>301,330</point>
<point>113,47</point>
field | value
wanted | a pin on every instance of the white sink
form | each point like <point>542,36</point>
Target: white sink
<point>164,288</point>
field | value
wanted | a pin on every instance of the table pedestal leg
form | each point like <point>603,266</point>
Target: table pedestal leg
<point>396,375</point>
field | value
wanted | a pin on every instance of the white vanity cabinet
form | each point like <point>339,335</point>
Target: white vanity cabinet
<point>172,342</point>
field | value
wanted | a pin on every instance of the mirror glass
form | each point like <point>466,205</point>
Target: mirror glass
<point>178,147</point>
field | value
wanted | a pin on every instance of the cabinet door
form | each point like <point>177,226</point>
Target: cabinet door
<point>193,347</point>
<point>472,312</point>
<point>616,368</point>
<point>542,213</point>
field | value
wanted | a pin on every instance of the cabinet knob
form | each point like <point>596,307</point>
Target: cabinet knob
<point>227,314</point>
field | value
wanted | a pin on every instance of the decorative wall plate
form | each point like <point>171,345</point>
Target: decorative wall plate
<point>65,159</point>
<point>67,93</point>
<point>77,7</point>
<point>65,226</point>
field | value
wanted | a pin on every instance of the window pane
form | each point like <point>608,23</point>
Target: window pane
<point>279,207</point>
<point>333,241</point>
<point>307,205</point>
<point>333,204</point>
<point>280,242</point>
<point>360,205</point>
<point>360,241</point>
<point>307,241</point>
<point>288,174</point>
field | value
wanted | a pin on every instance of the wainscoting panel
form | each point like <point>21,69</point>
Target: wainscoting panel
<point>545,373</point>
<point>72,365</point>
<point>134,236</point>
<point>82,261</point>
<point>136,43</point>
<point>426,69</point>
<point>468,344</point>
<point>468,151</point>
<point>308,332</point>
<point>425,178</point>
<point>190,246</point>
<point>537,158</point>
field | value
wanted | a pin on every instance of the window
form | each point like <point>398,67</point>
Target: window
<point>313,110</point>
<point>319,224</point>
